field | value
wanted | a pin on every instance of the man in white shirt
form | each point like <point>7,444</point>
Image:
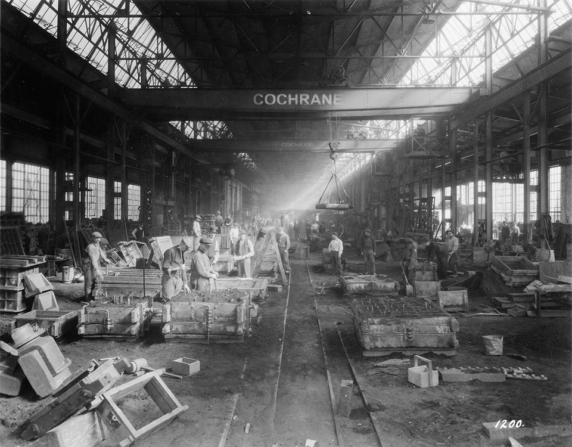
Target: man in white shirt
<point>336,249</point>
<point>233,234</point>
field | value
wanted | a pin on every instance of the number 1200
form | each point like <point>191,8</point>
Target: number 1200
<point>508,424</point>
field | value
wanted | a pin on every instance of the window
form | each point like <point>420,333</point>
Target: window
<point>134,201</point>
<point>94,199</point>
<point>117,201</point>
<point>2,185</point>
<point>554,191</point>
<point>533,195</point>
<point>31,191</point>
<point>502,202</point>
<point>471,193</point>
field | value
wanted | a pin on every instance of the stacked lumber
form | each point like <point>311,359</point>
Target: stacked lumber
<point>132,281</point>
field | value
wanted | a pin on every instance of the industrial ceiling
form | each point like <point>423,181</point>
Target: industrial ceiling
<point>185,49</point>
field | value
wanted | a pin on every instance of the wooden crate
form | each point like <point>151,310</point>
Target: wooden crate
<point>208,321</point>
<point>408,325</point>
<point>121,429</point>
<point>115,320</point>
<point>258,286</point>
<point>364,283</point>
<point>56,323</point>
<point>516,271</point>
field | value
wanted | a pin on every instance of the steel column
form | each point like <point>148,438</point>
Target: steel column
<point>453,151</point>
<point>526,163</point>
<point>489,175</point>
<point>111,36</point>
<point>476,184</point>
<point>443,207</point>
<point>76,170</point>
<point>62,32</point>
<point>124,191</point>
<point>543,168</point>
<point>110,177</point>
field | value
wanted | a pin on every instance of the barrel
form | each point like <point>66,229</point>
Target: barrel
<point>67,274</point>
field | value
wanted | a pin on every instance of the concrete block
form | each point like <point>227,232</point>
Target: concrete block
<point>36,283</point>
<point>25,334</point>
<point>345,402</point>
<point>185,366</point>
<point>44,365</point>
<point>85,430</point>
<point>46,301</point>
<point>11,378</point>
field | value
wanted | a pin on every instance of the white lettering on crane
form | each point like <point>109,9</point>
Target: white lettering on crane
<point>302,99</point>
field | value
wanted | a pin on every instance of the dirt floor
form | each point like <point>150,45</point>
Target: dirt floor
<point>280,380</point>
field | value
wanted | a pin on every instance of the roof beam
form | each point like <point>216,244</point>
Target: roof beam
<point>49,70</point>
<point>534,77</point>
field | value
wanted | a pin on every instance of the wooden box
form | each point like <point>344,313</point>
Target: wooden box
<point>130,320</point>
<point>516,271</point>
<point>208,321</point>
<point>56,323</point>
<point>403,325</point>
<point>122,430</point>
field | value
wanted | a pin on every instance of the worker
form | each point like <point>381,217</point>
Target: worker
<point>233,234</point>
<point>341,230</point>
<point>410,261</point>
<point>196,233</point>
<point>336,248</point>
<point>283,241</point>
<point>218,220</point>
<point>437,251</point>
<point>202,271</point>
<point>314,236</point>
<point>174,277</point>
<point>228,220</point>
<point>366,245</point>
<point>297,227</point>
<point>138,233</point>
<point>505,232</point>
<point>91,266</point>
<point>214,249</point>
<point>514,233</point>
<point>242,251</point>
<point>453,250</point>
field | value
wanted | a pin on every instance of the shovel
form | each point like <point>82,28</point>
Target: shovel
<point>408,287</point>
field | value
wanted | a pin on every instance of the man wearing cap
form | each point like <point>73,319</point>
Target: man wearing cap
<point>242,251</point>
<point>91,266</point>
<point>214,249</point>
<point>453,249</point>
<point>218,220</point>
<point>174,277</point>
<point>201,269</point>
<point>367,247</point>
<point>283,241</point>
<point>410,261</point>
<point>196,233</point>
<point>336,249</point>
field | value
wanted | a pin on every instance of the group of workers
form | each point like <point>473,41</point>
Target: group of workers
<point>206,251</point>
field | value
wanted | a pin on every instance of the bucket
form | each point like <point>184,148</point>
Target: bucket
<point>67,274</point>
<point>493,344</point>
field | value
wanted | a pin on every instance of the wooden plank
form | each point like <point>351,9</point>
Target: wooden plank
<point>279,259</point>
<point>259,255</point>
